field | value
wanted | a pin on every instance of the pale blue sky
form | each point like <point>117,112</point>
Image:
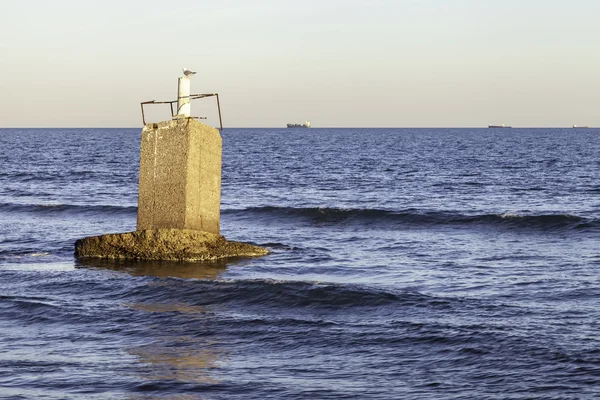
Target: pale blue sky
<point>401,63</point>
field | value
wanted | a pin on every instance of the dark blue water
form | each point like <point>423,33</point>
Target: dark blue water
<point>406,263</point>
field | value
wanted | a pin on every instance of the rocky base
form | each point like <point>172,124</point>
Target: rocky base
<point>164,244</point>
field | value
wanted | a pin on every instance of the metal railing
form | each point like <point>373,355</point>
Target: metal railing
<point>191,97</point>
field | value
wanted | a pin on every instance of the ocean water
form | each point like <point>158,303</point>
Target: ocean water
<point>405,263</point>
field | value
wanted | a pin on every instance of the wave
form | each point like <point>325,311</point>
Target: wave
<point>415,217</point>
<point>50,209</point>
<point>274,293</point>
<point>313,294</point>
<point>343,216</point>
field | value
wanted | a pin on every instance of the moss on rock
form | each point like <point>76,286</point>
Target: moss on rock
<point>164,244</point>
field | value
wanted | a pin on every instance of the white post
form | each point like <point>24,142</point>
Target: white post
<point>183,97</point>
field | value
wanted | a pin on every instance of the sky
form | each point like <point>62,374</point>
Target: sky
<point>337,63</point>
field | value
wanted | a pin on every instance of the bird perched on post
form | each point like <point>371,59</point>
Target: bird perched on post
<point>187,72</point>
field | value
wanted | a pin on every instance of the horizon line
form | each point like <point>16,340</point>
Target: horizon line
<point>318,127</point>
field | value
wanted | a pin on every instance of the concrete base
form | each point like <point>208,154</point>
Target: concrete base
<point>165,244</point>
<point>180,176</point>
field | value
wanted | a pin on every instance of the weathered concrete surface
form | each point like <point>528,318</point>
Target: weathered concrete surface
<point>165,244</point>
<point>180,176</point>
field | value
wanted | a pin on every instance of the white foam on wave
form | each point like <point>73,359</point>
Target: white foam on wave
<point>510,215</point>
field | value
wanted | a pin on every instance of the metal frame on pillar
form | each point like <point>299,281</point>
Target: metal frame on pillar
<point>191,97</point>
<point>184,98</point>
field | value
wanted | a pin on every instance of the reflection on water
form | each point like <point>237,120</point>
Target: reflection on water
<point>169,354</point>
<point>162,269</point>
<point>185,359</point>
<point>195,396</point>
<point>163,308</point>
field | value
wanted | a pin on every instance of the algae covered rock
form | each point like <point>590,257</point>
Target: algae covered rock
<point>164,244</point>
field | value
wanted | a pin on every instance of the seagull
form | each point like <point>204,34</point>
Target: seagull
<point>187,72</point>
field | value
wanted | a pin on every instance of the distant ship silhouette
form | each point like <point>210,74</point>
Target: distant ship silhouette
<point>304,125</point>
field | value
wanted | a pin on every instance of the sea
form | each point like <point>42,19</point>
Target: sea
<point>404,264</point>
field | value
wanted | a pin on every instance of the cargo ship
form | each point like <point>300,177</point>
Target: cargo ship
<point>499,126</point>
<point>304,125</point>
<point>580,126</point>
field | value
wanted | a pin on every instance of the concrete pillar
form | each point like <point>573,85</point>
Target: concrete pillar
<point>183,97</point>
<point>180,176</point>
